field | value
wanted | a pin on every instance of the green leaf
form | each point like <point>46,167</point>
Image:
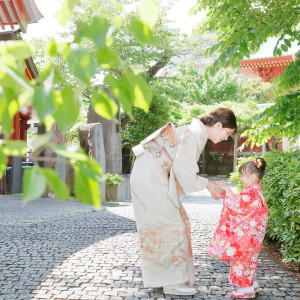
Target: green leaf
<point>99,31</point>
<point>52,48</point>
<point>284,47</point>
<point>278,52</point>
<point>34,184</point>
<point>43,102</point>
<point>25,98</point>
<point>212,71</point>
<point>19,49</point>
<point>41,141</point>
<point>19,79</point>
<point>131,90</point>
<point>66,108</point>
<point>103,105</point>
<point>81,63</point>
<point>15,148</point>
<point>55,184</point>
<point>96,31</point>
<point>91,168</point>
<point>65,12</point>
<point>244,48</point>
<point>149,12</point>
<point>142,32</point>
<point>287,42</point>
<point>3,162</point>
<point>107,58</point>
<point>86,189</point>
<point>8,109</point>
<point>142,93</point>
<point>71,151</point>
<point>121,90</point>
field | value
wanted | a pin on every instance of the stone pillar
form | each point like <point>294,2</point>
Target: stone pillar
<point>264,148</point>
<point>16,176</point>
<point>65,172</point>
<point>112,141</point>
<point>57,138</point>
<point>286,145</point>
<point>92,141</point>
<point>124,188</point>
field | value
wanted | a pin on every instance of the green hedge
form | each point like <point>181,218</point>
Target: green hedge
<point>281,189</point>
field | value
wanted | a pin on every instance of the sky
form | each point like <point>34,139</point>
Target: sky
<point>49,27</point>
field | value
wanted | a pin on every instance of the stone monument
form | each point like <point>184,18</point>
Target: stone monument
<point>91,140</point>
<point>112,141</point>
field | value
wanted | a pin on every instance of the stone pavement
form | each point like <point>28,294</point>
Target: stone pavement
<point>52,250</point>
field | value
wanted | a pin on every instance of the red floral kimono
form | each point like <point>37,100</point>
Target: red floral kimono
<point>240,234</point>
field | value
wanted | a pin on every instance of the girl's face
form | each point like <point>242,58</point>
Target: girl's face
<point>218,133</point>
<point>248,179</point>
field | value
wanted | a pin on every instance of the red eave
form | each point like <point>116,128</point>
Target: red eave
<point>12,12</point>
<point>267,62</point>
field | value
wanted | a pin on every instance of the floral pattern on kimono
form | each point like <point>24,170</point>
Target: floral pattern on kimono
<point>164,170</point>
<point>243,270</point>
<point>163,148</point>
<point>240,233</point>
<point>155,240</point>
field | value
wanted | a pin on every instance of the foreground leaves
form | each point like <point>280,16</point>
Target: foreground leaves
<point>56,101</point>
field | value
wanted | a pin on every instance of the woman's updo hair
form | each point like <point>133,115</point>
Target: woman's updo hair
<point>257,166</point>
<point>223,115</point>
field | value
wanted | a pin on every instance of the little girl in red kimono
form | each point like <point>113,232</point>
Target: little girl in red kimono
<point>241,229</point>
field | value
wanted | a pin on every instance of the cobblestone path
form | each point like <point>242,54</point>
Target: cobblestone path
<point>51,250</point>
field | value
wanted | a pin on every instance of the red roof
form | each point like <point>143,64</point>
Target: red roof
<point>266,68</point>
<point>18,12</point>
<point>267,62</point>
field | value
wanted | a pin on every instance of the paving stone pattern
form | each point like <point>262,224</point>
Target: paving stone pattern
<point>51,250</point>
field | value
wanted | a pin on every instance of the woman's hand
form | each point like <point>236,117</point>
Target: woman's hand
<point>213,189</point>
<point>223,186</point>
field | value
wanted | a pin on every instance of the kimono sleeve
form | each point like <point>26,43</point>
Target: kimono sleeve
<point>185,166</point>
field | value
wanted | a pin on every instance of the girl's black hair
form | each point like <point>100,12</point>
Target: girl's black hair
<point>257,167</point>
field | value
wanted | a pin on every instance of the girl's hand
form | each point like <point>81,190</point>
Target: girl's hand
<point>223,186</point>
<point>213,189</point>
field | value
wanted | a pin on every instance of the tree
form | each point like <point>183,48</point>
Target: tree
<point>241,27</point>
<point>258,91</point>
<point>56,101</point>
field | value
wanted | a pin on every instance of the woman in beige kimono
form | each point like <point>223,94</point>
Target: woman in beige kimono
<point>164,171</point>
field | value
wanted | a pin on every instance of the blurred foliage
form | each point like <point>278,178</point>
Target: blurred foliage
<point>70,69</point>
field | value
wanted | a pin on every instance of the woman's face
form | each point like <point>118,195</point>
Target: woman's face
<point>218,133</point>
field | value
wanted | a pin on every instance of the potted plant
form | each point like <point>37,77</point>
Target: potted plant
<point>112,181</point>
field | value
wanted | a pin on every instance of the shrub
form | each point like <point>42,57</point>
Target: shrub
<point>113,179</point>
<point>281,190</point>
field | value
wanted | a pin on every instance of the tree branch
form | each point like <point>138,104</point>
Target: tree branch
<point>152,71</point>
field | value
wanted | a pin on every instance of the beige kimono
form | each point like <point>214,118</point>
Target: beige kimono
<point>164,171</point>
